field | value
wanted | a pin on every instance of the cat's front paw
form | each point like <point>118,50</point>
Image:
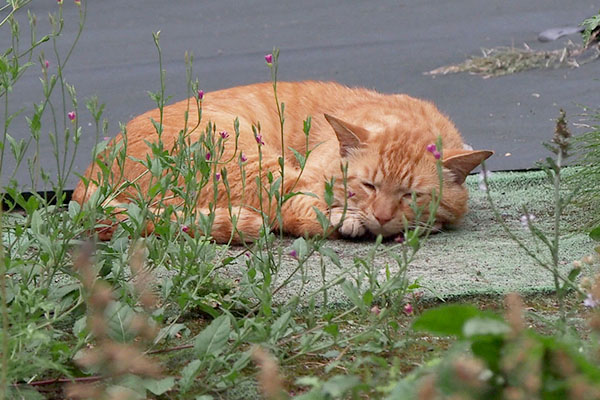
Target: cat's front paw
<point>351,226</point>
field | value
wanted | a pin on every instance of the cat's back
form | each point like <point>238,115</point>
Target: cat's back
<point>300,98</point>
<point>256,104</point>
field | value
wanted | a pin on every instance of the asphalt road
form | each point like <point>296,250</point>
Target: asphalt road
<point>384,44</point>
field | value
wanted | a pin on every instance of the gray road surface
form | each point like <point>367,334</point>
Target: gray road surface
<point>384,44</point>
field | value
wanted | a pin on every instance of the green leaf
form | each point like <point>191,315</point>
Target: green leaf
<point>331,354</point>
<point>80,327</point>
<point>228,260</point>
<point>299,157</point>
<point>479,326</point>
<point>36,222</point>
<point>323,220</point>
<point>161,386</point>
<point>368,298</point>
<point>331,254</point>
<point>280,325</point>
<point>300,247</point>
<point>587,368</point>
<point>340,385</point>
<point>31,205</point>
<point>188,374</point>
<point>595,233</point>
<point>120,316</point>
<point>74,208</point>
<point>404,389</point>
<point>352,292</point>
<point>24,393</point>
<point>242,360</point>
<point>328,196</point>
<point>306,125</point>
<point>332,329</point>
<point>573,274</point>
<point>211,341</point>
<point>3,64</point>
<point>589,25</point>
<point>489,349</point>
<point>169,332</point>
<point>412,238</point>
<point>312,381</point>
<point>63,291</point>
<point>447,319</point>
<point>17,148</point>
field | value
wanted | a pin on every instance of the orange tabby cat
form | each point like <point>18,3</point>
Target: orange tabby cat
<point>383,138</point>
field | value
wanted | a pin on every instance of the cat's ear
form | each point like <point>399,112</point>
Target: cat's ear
<point>462,162</point>
<point>350,136</point>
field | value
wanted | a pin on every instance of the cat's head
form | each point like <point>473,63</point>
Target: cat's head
<point>387,168</point>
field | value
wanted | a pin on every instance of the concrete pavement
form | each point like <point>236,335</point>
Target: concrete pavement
<point>386,45</point>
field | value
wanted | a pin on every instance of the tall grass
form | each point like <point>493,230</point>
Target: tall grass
<point>587,177</point>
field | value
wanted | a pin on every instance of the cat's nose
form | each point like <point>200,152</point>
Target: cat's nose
<point>383,219</point>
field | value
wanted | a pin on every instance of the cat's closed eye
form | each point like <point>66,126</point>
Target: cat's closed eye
<point>369,186</point>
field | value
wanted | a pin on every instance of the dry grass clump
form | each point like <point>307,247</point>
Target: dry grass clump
<point>114,359</point>
<point>506,60</point>
<point>269,377</point>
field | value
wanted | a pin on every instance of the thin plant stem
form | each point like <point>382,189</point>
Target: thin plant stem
<point>13,11</point>
<point>5,321</point>
<point>555,245</point>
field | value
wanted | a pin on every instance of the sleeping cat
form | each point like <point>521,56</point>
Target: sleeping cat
<point>382,138</point>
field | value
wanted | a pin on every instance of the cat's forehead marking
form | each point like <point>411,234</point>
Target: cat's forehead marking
<point>374,127</point>
<point>382,123</point>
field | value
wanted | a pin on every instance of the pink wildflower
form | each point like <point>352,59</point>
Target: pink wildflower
<point>243,157</point>
<point>351,194</point>
<point>217,176</point>
<point>293,254</point>
<point>185,228</point>
<point>224,134</point>
<point>46,63</point>
<point>269,58</point>
<point>437,155</point>
<point>207,156</point>
<point>200,94</point>
<point>259,140</point>
<point>71,115</point>
<point>431,148</point>
<point>375,310</point>
<point>408,309</point>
